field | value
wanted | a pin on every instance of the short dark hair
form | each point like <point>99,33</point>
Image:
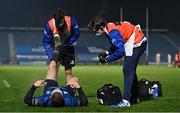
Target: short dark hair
<point>59,18</point>
<point>96,23</point>
<point>57,99</point>
<point>58,14</point>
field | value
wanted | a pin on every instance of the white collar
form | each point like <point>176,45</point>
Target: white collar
<point>57,90</point>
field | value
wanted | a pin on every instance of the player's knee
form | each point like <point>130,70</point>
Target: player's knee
<point>125,69</point>
<point>68,71</point>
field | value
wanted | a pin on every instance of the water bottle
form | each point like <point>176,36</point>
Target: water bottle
<point>155,90</point>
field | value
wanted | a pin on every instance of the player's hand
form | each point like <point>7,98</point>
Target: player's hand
<point>73,82</point>
<point>103,54</point>
<point>102,58</point>
<point>57,40</point>
<point>39,83</point>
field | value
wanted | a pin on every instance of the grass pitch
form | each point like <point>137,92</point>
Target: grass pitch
<point>16,80</point>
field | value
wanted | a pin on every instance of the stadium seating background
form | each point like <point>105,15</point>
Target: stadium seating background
<point>29,48</point>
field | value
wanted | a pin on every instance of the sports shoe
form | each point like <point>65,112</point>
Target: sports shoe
<point>123,103</point>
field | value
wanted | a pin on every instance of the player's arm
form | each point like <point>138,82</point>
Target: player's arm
<point>48,37</point>
<point>83,101</point>
<point>112,49</point>
<point>29,99</point>
<point>75,32</point>
<point>82,97</point>
<point>118,50</point>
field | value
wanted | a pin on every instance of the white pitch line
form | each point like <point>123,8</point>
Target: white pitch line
<point>169,98</point>
<point>6,83</point>
<point>4,100</point>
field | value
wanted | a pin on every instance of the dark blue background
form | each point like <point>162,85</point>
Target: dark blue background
<point>34,13</point>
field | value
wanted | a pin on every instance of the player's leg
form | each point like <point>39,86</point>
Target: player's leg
<point>51,77</point>
<point>134,91</point>
<point>52,70</point>
<point>68,61</point>
<point>129,70</point>
<point>53,66</point>
<point>68,72</point>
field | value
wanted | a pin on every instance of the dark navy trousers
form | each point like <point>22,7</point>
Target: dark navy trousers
<point>129,71</point>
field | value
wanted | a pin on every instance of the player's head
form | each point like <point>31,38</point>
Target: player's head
<point>59,18</point>
<point>56,97</point>
<point>96,24</point>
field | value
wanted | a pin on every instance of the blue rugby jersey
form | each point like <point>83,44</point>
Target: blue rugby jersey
<point>116,40</point>
<point>44,100</point>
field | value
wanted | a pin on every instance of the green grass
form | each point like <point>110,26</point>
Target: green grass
<point>91,78</point>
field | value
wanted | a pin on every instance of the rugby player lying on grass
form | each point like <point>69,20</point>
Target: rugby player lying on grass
<point>54,96</point>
